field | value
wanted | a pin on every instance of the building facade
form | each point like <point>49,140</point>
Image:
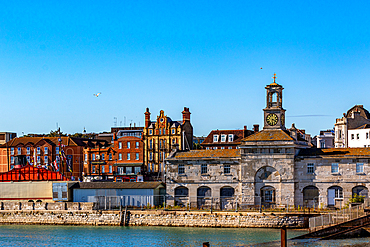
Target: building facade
<point>325,139</point>
<point>273,167</point>
<point>355,117</point>
<point>161,135</point>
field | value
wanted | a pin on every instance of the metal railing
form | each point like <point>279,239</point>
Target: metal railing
<point>132,201</point>
<point>337,217</point>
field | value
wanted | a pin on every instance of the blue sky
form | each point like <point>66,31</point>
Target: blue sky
<point>205,55</point>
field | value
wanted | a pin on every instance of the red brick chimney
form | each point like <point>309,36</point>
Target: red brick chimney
<point>147,118</point>
<point>245,132</point>
<point>185,115</point>
<point>256,128</point>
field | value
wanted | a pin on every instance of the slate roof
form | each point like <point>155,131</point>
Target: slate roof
<point>118,185</point>
<point>365,126</point>
<point>335,152</point>
<point>218,153</point>
<point>269,135</point>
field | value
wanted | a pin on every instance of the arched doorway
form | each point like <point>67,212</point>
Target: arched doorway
<point>204,196</point>
<point>181,196</point>
<point>361,192</point>
<point>335,196</point>
<point>311,197</point>
<point>266,180</point>
<point>227,198</point>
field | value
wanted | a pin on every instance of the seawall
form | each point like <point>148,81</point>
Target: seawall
<point>75,213</point>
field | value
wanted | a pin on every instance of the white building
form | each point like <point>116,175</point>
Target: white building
<point>360,137</point>
<point>325,139</point>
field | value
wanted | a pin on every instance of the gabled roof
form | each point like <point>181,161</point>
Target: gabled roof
<point>118,185</point>
<point>335,152</point>
<point>269,135</point>
<point>218,153</point>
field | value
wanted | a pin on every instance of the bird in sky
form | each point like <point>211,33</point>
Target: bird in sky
<point>97,95</point>
<point>261,67</point>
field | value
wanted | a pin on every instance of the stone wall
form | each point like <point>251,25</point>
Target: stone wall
<point>219,219</point>
<point>70,206</point>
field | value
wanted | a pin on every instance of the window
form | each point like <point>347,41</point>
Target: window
<point>28,150</point>
<point>110,169</point>
<point>93,169</point>
<point>164,132</point>
<point>223,138</point>
<point>85,157</point>
<point>222,147</point>
<point>322,144</point>
<point>137,145</point>
<point>230,147</point>
<point>11,160</point>
<point>120,170</point>
<point>38,150</point>
<point>137,170</point>
<point>173,131</point>
<point>173,141</point>
<point>93,156</point>
<point>215,138</point>
<point>19,151</point>
<point>28,159</point>
<point>150,156</point>
<point>38,160</point>
<point>227,169</point>
<point>310,168</point>
<point>359,167</point>
<point>103,156</point>
<point>103,169</point>
<point>181,169</point>
<point>128,170</point>
<point>110,156</point>
<point>358,136</point>
<point>334,168</point>
<point>57,159</point>
<point>45,150</point>
<point>128,145</point>
<point>137,156</point>
<point>203,169</point>
<point>11,151</point>
<point>119,156</point>
<point>128,156</point>
<point>338,192</point>
<point>120,145</point>
<point>151,144</point>
<point>367,135</point>
<point>215,148</point>
<point>150,132</point>
<point>231,137</point>
<point>46,160</point>
<point>352,136</point>
<point>57,150</point>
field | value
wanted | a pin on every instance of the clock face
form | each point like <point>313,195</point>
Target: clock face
<point>162,119</point>
<point>272,119</point>
<point>282,119</point>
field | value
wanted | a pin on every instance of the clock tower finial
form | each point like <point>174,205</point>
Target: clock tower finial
<point>274,77</point>
<point>274,113</point>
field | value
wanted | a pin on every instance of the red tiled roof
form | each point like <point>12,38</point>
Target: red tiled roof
<point>269,135</point>
<point>219,153</point>
<point>335,152</point>
<point>65,140</point>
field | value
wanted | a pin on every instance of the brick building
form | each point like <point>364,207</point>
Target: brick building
<point>162,135</point>
<point>43,151</point>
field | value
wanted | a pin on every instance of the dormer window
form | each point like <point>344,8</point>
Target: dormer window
<point>150,132</point>
<point>215,138</point>
<point>231,137</point>
<point>223,138</point>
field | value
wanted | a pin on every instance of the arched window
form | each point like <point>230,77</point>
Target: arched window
<point>227,192</point>
<point>360,191</point>
<point>204,192</point>
<point>181,191</point>
<point>334,193</point>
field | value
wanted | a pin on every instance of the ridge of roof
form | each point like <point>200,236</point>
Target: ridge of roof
<point>218,153</point>
<point>269,135</point>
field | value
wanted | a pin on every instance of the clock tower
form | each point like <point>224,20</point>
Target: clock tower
<point>274,114</point>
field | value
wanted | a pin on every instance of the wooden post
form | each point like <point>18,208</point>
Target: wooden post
<point>206,244</point>
<point>283,237</point>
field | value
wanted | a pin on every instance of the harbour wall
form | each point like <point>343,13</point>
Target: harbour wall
<point>74,213</point>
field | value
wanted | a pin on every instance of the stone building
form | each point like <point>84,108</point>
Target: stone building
<point>161,135</point>
<point>273,167</point>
